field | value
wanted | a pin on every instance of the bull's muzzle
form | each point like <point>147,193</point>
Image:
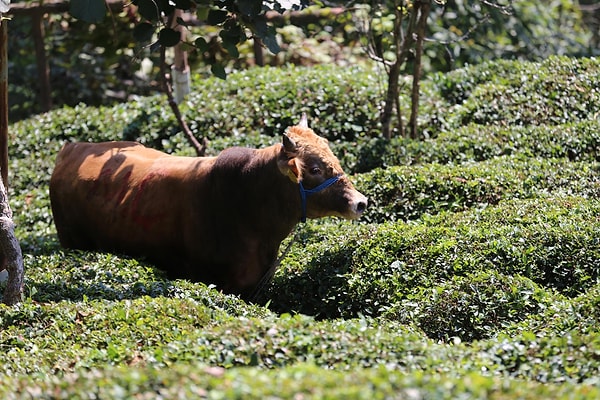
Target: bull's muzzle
<point>358,204</point>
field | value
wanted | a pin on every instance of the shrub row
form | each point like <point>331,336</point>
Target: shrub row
<point>575,141</point>
<point>300,381</point>
<point>342,102</point>
<point>65,339</point>
<point>556,91</point>
<point>37,146</point>
<point>404,193</point>
<point>264,101</point>
<point>348,270</point>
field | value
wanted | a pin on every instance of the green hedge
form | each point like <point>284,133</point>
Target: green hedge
<point>300,381</point>
<point>556,91</point>
<point>341,102</point>
<point>345,101</point>
<point>575,142</point>
<point>578,141</point>
<point>475,306</point>
<point>404,193</point>
<point>348,270</point>
<point>474,272</point>
<point>64,340</point>
<point>54,342</point>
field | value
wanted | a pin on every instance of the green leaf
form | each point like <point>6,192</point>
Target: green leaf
<point>216,17</point>
<point>231,48</point>
<point>143,32</point>
<point>232,32</point>
<point>218,70</point>
<point>149,10</point>
<point>92,11</point>
<point>267,34</point>
<point>201,44</point>
<point>168,37</point>
<point>271,43</point>
<point>250,7</point>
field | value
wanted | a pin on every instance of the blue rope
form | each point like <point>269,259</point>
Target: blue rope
<point>306,192</point>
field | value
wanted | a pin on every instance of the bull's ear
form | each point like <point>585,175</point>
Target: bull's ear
<point>294,170</point>
<point>289,166</point>
<point>288,162</point>
<point>303,121</point>
<point>289,145</point>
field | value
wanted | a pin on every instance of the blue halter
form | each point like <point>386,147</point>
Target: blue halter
<point>304,193</point>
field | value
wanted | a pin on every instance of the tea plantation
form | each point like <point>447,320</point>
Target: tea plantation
<point>474,273</point>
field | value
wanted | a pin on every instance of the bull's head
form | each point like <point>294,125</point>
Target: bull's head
<point>324,188</point>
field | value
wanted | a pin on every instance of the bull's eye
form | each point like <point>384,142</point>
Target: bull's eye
<point>315,171</point>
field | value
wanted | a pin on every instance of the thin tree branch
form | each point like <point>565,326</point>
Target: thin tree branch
<point>423,9</point>
<point>402,48</point>
<point>200,148</point>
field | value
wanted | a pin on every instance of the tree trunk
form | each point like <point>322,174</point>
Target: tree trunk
<point>37,27</point>
<point>180,71</point>
<point>259,55</point>
<point>403,44</point>
<point>11,258</point>
<point>423,8</point>
<point>391,99</point>
<point>11,251</point>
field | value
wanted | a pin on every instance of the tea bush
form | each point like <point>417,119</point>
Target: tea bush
<point>477,306</point>
<point>409,192</point>
<point>556,91</point>
<point>474,272</point>
<point>380,269</point>
<point>578,141</point>
<point>342,102</point>
<point>301,380</point>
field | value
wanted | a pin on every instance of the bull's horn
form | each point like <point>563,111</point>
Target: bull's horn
<point>288,144</point>
<point>303,121</point>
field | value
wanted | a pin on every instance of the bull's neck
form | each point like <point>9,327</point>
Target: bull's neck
<point>285,208</point>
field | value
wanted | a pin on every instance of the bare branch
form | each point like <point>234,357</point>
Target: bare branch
<point>507,10</point>
<point>200,148</point>
<point>424,9</point>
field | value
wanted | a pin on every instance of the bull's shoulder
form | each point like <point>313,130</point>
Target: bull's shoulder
<point>236,152</point>
<point>245,159</point>
<point>234,158</point>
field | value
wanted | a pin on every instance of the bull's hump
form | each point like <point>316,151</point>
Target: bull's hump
<point>183,165</point>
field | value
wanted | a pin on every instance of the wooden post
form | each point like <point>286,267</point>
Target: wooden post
<point>180,71</point>
<point>11,257</point>
<point>423,7</point>
<point>4,100</point>
<point>37,29</point>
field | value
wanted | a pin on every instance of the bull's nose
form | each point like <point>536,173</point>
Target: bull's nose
<point>361,206</point>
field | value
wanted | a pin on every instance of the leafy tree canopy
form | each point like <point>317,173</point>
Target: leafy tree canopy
<point>158,18</point>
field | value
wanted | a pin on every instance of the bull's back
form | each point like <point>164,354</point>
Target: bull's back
<point>115,196</point>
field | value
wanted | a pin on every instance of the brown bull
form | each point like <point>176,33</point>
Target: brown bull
<point>216,219</point>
